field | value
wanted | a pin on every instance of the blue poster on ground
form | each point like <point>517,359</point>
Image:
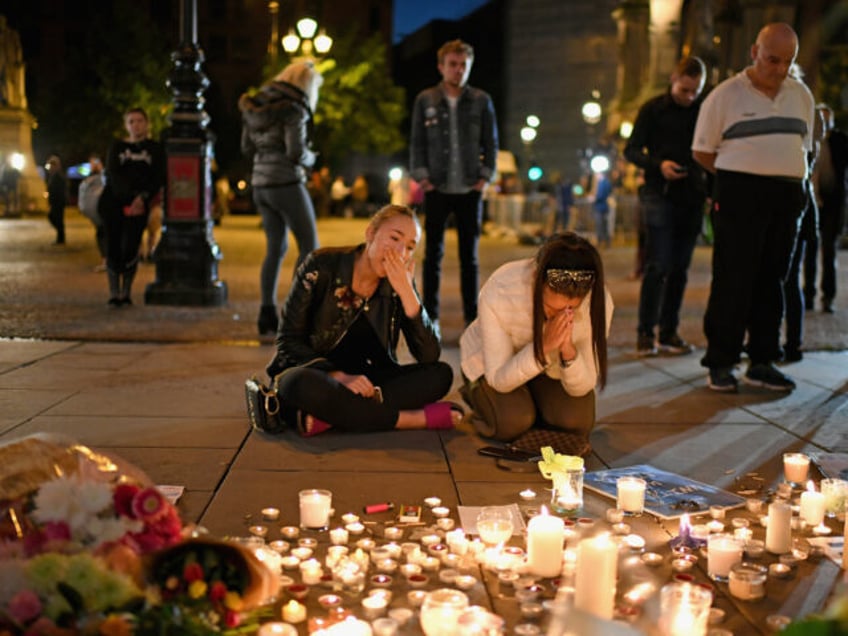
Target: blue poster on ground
<point>668,495</point>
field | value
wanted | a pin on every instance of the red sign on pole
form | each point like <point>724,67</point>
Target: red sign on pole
<point>183,187</point>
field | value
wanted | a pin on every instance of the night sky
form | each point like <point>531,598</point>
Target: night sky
<point>410,15</point>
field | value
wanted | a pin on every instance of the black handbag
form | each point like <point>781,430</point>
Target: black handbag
<point>263,406</point>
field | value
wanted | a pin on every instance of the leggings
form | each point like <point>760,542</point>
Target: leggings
<point>408,387</point>
<point>283,208</point>
<point>505,416</point>
<point>123,239</point>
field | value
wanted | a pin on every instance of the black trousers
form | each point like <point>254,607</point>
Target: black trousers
<point>408,387</point>
<point>755,221</point>
<point>468,213</point>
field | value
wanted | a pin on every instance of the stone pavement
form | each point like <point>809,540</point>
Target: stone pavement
<point>163,388</point>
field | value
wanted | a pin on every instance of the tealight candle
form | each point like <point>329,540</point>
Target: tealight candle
<point>276,629</point>
<point>290,532</point>
<point>339,536</point>
<point>621,528</point>
<point>279,546</point>
<point>754,548</point>
<point>432,502</point>
<point>795,467</point>
<point>270,514</point>
<point>614,515</point>
<point>717,512</point>
<point>715,526</point>
<point>630,494</point>
<point>310,571</point>
<point>445,523</point>
<point>366,544</point>
<point>355,528</point>
<point>374,607</point>
<point>294,612</point>
<point>430,539</point>
<point>289,562</point>
<point>393,533</point>
<point>258,531</point>
<point>527,494</point>
<point>349,517</point>
<point>415,597</point>
<point>440,512</point>
<point>301,553</point>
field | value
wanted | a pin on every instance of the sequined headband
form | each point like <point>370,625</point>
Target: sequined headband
<point>570,279</point>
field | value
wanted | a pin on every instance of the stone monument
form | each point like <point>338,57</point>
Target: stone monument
<point>16,123</point>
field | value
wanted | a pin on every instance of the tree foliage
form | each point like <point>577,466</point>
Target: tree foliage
<point>360,110</point>
<point>121,60</point>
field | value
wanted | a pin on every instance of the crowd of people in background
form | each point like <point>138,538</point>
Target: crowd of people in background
<point>696,182</point>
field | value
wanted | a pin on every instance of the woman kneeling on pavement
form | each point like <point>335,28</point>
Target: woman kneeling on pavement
<point>337,343</point>
<point>538,347</point>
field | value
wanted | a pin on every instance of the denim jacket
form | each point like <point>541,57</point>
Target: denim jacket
<point>321,306</point>
<point>430,142</point>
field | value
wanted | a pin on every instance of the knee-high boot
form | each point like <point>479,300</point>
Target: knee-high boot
<point>114,287</point>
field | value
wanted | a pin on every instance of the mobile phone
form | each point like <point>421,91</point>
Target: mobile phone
<point>681,169</point>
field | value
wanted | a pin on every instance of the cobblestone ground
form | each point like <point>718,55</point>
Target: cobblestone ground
<point>52,292</point>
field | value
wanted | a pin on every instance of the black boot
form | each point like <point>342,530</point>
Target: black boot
<point>268,320</point>
<point>126,287</point>
<point>114,288</point>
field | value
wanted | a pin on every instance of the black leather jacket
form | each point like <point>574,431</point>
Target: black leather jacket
<point>321,306</point>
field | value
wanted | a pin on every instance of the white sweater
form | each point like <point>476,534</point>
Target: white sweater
<point>499,343</point>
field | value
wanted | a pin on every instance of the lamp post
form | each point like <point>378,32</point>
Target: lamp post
<point>528,135</point>
<point>308,39</point>
<point>187,256</point>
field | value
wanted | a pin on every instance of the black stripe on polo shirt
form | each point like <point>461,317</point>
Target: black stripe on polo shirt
<point>766,126</point>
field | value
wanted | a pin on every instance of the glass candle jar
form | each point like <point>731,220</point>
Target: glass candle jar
<point>747,581</point>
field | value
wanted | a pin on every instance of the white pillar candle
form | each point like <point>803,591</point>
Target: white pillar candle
<point>310,571</point>
<point>545,535</point>
<point>294,612</point>
<point>315,508</point>
<point>723,552</point>
<point>779,528</point>
<point>812,505</point>
<point>795,467</point>
<point>594,580</point>
<point>630,494</point>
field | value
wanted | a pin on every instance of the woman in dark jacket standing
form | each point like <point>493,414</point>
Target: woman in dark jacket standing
<point>336,356</point>
<point>277,122</point>
<point>135,173</point>
<point>57,195</point>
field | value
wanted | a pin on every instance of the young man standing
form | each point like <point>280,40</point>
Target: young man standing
<point>672,202</point>
<point>454,145</point>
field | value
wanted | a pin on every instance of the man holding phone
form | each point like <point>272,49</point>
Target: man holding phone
<point>672,201</point>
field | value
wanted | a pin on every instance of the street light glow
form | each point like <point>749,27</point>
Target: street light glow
<point>591,112</point>
<point>323,43</point>
<point>599,163</point>
<point>18,161</point>
<point>291,42</point>
<point>306,28</point>
<point>395,173</point>
<point>533,121</point>
<point>626,129</point>
<point>528,134</point>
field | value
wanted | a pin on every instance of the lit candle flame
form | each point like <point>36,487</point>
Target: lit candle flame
<point>684,523</point>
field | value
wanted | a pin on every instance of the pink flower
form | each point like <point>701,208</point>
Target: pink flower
<point>57,531</point>
<point>149,505</point>
<point>122,499</point>
<point>24,606</point>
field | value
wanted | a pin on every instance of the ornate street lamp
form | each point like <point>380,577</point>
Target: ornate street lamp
<point>306,39</point>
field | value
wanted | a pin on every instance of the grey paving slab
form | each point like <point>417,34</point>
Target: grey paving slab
<point>150,432</point>
<point>15,352</point>
<point>822,368</point>
<point>195,468</point>
<point>714,454</point>
<point>22,404</point>
<point>193,503</point>
<point>393,451</point>
<point>246,492</point>
<point>805,411</point>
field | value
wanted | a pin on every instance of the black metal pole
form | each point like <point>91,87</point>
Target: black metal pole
<point>187,256</point>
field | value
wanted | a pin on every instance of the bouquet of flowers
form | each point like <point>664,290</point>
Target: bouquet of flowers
<point>99,550</point>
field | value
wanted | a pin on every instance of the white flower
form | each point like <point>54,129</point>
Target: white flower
<point>55,501</point>
<point>94,497</point>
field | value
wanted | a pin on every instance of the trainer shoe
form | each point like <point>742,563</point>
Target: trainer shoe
<point>722,379</point>
<point>767,377</point>
<point>645,346</point>
<point>675,345</point>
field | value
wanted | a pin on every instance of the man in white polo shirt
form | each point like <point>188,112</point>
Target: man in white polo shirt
<point>754,132</point>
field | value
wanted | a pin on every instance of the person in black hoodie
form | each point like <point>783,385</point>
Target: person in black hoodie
<point>135,173</point>
<point>277,122</point>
